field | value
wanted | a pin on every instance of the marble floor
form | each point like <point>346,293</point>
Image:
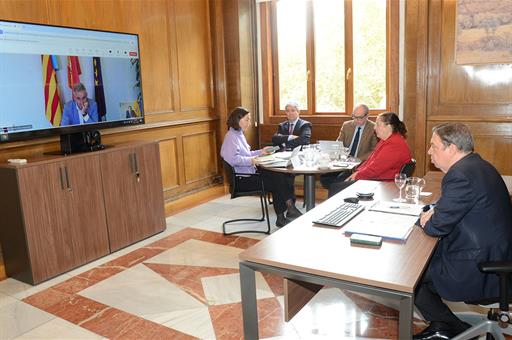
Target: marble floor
<point>183,284</point>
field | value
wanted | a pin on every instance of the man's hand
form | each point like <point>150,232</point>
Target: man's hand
<point>86,106</point>
<point>293,137</point>
<point>425,216</point>
<point>254,161</point>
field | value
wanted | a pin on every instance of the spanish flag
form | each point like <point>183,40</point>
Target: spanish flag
<point>53,108</point>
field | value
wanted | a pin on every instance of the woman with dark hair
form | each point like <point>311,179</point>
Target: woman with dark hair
<point>236,151</point>
<point>390,154</point>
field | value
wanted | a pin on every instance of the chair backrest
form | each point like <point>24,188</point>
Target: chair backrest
<point>230,171</point>
<point>408,168</point>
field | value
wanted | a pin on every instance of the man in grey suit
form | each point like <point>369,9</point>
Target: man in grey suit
<point>359,136</point>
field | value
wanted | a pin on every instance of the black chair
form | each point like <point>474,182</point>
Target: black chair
<point>498,318</point>
<point>408,168</point>
<point>235,190</point>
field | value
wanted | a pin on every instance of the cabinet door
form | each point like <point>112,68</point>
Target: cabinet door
<point>132,184</point>
<point>119,177</point>
<point>149,189</point>
<point>44,199</point>
<point>87,220</point>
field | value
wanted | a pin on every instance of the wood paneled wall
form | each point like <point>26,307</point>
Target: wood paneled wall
<point>179,43</point>
<point>438,90</point>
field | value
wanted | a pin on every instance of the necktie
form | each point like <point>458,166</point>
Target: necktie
<point>353,148</point>
<point>290,131</point>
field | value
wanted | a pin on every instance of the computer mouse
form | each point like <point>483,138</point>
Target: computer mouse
<point>351,200</point>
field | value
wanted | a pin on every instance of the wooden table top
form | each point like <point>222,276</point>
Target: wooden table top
<point>310,248</point>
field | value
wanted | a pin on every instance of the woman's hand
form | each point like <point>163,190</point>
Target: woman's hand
<point>352,177</point>
<point>266,150</point>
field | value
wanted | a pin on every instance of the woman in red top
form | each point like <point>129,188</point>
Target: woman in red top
<point>390,154</point>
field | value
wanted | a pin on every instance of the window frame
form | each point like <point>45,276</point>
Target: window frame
<point>270,75</point>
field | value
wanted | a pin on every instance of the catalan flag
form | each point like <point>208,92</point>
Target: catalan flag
<point>74,71</point>
<point>53,108</point>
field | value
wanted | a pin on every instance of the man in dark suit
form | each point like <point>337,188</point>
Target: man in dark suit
<point>473,219</point>
<point>358,135</point>
<point>294,131</point>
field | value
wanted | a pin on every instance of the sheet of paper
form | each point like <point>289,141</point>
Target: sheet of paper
<point>397,208</point>
<point>390,226</point>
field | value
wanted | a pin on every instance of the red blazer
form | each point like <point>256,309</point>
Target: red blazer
<point>386,160</point>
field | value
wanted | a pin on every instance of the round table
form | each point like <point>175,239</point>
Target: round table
<point>309,178</point>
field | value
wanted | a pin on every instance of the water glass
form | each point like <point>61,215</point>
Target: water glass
<point>413,188</point>
<point>400,180</point>
<point>309,157</point>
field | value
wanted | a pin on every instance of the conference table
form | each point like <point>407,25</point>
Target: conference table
<point>309,178</point>
<point>309,256</point>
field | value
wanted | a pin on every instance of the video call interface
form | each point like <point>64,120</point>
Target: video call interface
<point>54,76</point>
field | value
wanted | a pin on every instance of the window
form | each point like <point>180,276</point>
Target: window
<point>329,55</point>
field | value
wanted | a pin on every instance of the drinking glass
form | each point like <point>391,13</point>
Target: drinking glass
<point>413,188</point>
<point>400,180</point>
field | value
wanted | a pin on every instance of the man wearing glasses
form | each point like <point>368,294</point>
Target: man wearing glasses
<point>359,136</point>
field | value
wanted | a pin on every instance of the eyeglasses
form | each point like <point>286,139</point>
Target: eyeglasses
<point>359,117</point>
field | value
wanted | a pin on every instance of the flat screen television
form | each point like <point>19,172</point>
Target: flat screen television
<point>67,81</point>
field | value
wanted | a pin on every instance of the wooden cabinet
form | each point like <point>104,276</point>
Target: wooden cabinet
<point>132,182</point>
<point>62,212</point>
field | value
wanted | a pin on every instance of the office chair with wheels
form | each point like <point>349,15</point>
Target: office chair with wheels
<point>408,168</point>
<point>236,191</point>
<point>498,320</point>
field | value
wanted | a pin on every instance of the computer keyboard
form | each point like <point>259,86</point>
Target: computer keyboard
<point>340,215</point>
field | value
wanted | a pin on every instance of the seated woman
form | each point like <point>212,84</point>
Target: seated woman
<point>236,151</point>
<point>390,154</point>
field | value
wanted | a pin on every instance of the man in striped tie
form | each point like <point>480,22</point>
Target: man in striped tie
<point>359,137</point>
<point>294,131</point>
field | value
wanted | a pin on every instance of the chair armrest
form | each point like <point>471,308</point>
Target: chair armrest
<point>495,267</point>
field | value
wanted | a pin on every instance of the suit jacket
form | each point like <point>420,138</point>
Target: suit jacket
<point>473,218</point>
<point>367,141</point>
<point>70,114</point>
<point>302,129</point>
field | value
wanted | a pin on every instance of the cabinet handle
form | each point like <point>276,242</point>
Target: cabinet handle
<point>67,178</point>
<point>61,173</point>
<point>136,163</point>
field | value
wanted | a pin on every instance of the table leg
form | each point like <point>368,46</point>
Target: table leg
<point>249,307</point>
<point>405,318</point>
<point>309,191</point>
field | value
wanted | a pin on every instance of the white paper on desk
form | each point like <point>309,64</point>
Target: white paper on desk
<point>390,226</point>
<point>265,159</point>
<point>344,165</point>
<point>397,208</point>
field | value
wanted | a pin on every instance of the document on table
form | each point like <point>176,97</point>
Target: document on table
<point>389,226</point>
<point>397,208</point>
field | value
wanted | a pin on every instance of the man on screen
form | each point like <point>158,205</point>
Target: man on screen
<point>80,110</point>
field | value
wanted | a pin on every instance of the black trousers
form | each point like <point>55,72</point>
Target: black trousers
<point>281,186</point>
<point>432,307</point>
<point>335,181</point>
